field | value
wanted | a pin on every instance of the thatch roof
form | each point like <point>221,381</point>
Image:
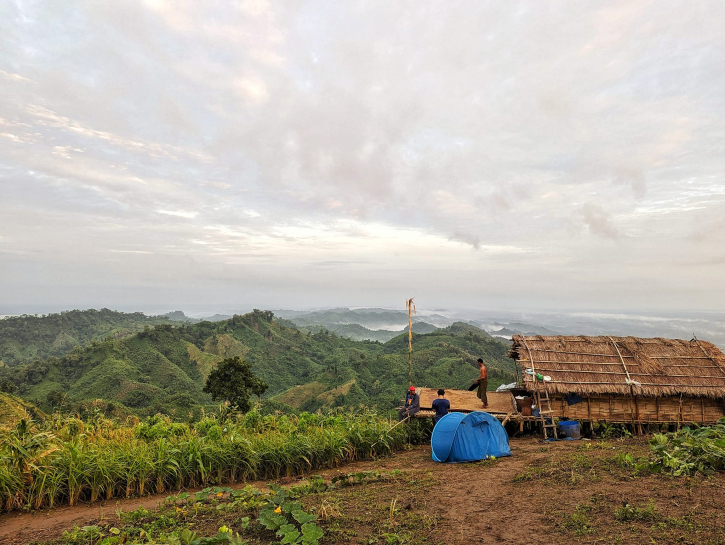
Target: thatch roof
<point>622,365</point>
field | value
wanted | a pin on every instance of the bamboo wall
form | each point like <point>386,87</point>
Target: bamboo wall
<point>617,408</point>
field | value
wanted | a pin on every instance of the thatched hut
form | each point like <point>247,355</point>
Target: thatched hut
<point>624,379</point>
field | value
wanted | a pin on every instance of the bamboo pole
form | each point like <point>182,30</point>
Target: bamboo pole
<point>391,429</point>
<point>641,383</point>
<point>596,372</point>
<point>619,364</point>
<point>713,360</point>
<point>410,306</point>
<point>624,356</point>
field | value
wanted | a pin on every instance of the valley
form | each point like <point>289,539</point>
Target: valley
<point>161,369</point>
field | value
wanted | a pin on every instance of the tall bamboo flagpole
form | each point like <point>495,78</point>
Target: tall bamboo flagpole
<point>411,310</point>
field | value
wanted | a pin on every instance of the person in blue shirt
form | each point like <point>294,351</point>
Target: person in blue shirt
<point>441,406</point>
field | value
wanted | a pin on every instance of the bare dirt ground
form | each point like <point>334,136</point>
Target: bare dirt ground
<point>563,492</point>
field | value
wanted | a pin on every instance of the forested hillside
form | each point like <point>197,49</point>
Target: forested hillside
<point>27,338</point>
<point>162,369</point>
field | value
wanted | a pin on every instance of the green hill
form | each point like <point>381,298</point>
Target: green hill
<point>27,338</point>
<point>162,369</point>
<point>13,408</point>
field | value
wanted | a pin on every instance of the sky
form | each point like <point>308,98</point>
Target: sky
<point>498,155</point>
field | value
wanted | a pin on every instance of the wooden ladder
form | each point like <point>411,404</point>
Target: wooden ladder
<point>545,411</point>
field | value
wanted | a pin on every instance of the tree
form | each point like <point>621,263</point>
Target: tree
<point>55,398</point>
<point>8,386</point>
<point>233,381</point>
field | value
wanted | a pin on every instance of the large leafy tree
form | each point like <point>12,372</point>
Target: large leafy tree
<point>233,381</point>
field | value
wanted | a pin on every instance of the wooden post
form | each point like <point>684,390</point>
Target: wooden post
<point>679,415</point>
<point>410,306</point>
<point>639,423</point>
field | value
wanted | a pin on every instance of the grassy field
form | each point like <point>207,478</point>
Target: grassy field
<point>67,460</point>
<point>348,477</point>
<point>565,492</point>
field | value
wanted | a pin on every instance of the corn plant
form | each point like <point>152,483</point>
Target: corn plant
<point>67,460</point>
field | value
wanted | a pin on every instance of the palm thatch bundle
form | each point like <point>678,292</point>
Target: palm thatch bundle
<point>621,365</point>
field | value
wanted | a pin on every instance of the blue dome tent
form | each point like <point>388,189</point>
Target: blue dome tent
<point>459,437</point>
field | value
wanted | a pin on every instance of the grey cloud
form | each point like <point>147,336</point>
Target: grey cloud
<point>598,221</point>
<point>260,127</point>
<point>467,238</point>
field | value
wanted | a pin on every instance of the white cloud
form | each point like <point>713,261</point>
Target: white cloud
<point>12,77</point>
<point>179,213</point>
<point>499,149</point>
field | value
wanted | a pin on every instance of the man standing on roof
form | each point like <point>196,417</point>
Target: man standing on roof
<point>482,384</point>
<point>411,406</point>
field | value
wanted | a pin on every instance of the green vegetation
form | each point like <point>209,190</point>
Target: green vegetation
<point>162,369</point>
<point>68,460</point>
<point>690,450</point>
<point>13,408</point>
<point>628,513</point>
<point>24,339</point>
<point>589,463</point>
<point>302,514</point>
<point>233,381</point>
<point>579,522</point>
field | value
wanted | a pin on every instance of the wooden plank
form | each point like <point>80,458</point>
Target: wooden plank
<point>465,401</point>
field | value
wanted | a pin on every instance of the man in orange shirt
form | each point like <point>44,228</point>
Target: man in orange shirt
<point>483,383</point>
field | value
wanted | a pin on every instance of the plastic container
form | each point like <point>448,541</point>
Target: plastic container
<point>570,428</point>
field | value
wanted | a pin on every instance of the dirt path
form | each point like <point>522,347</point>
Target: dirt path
<point>480,504</point>
<point>478,495</point>
<point>19,527</point>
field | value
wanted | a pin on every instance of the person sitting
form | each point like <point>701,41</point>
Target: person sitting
<point>441,406</point>
<point>411,404</point>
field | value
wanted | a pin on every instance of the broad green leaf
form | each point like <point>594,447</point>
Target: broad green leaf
<point>311,532</point>
<point>302,517</point>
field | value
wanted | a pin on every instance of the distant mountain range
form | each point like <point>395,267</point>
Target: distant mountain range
<point>506,331</point>
<point>27,338</point>
<point>162,368</point>
<point>179,316</point>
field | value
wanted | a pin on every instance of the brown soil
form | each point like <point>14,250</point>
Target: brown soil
<point>562,492</point>
<point>19,528</point>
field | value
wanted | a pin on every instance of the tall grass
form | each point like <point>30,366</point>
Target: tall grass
<point>69,461</point>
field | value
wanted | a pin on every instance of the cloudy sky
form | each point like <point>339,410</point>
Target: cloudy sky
<point>534,155</point>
